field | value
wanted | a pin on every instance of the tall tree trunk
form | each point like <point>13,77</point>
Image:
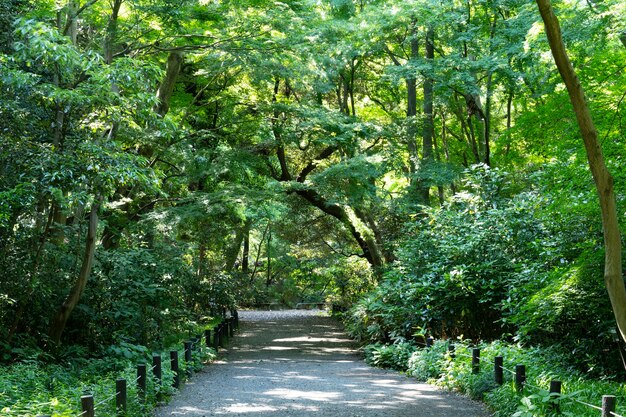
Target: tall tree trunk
<point>245,256</point>
<point>603,179</point>
<point>232,253</point>
<point>509,116</point>
<point>166,89</point>
<point>111,32</point>
<point>411,112</point>
<point>487,121</point>
<point>59,321</point>
<point>268,279</point>
<point>429,126</point>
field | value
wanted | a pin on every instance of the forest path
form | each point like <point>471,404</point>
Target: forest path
<point>301,363</point>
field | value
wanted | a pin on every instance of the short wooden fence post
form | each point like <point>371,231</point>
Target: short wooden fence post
<point>236,314</point>
<point>222,339</point>
<point>475,360</point>
<point>451,350</point>
<point>141,381</point>
<point>87,406</point>
<point>429,342</point>
<point>216,338</point>
<point>520,377</point>
<point>207,337</point>
<point>188,357</point>
<point>157,368</point>
<point>226,330</point>
<point>231,327</point>
<point>608,405</point>
<point>555,388</point>
<point>498,375</point>
<point>174,367</point>
<point>120,396</point>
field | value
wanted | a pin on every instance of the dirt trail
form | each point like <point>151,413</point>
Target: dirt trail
<point>299,363</point>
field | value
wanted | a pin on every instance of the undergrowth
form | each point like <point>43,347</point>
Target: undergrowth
<point>436,365</point>
<point>33,387</point>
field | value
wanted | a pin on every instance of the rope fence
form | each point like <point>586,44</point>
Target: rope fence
<point>221,333</point>
<point>519,377</point>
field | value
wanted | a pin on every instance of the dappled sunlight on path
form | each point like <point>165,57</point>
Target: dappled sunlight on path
<point>301,364</point>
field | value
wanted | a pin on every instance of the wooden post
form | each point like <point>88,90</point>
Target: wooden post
<point>231,327</point>
<point>216,338</point>
<point>222,337</point>
<point>520,377</point>
<point>157,368</point>
<point>498,362</point>
<point>451,350</point>
<point>429,342</point>
<point>86,403</point>
<point>236,315</point>
<point>174,367</point>
<point>207,337</point>
<point>475,360</point>
<point>141,381</point>
<point>226,330</point>
<point>555,388</point>
<point>120,396</point>
<point>188,358</point>
<point>608,405</point>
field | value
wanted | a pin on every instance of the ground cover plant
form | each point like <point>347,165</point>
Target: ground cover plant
<point>419,165</point>
<point>453,371</point>
<point>34,387</point>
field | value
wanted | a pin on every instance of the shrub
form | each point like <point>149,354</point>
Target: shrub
<point>427,364</point>
<point>395,356</point>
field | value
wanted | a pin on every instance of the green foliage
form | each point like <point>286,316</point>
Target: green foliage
<point>395,356</point>
<point>427,364</point>
<point>567,310</point>
<point>463,265</point>
<point>36,389</point>
<point>287,129</point>
<point>435,365</point>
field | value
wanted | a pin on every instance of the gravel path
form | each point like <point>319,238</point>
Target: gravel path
<point>300,363</point>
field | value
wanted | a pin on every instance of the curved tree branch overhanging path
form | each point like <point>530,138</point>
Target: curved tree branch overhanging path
<point>299,363</point>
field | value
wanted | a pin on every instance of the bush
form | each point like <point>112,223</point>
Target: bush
<point>427,364</point>
<point>39,389</point>
<point>571,307</point>
<point>394,356</point>
<point>542,365</point>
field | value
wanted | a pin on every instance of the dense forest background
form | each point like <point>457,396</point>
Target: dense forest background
<point>417,164</point>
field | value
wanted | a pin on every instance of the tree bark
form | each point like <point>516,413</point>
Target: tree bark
<point>111,32</point>
<point>232,253</point>
<point>603,180</point>
<point>245,256</point>
<point>166,89</point>
<point>368,245</point>
<point>59,321</point>
<point>429,126</point>
<point>411,112</point>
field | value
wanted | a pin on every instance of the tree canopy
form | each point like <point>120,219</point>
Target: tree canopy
<point>417,162</point>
